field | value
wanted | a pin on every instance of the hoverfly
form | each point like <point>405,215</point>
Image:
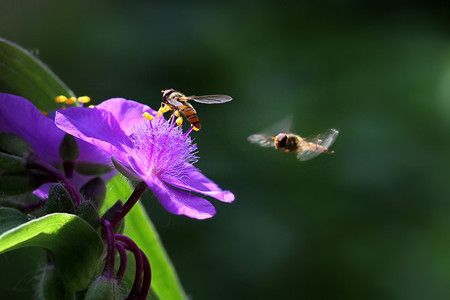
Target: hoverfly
<point>178,102</point>
<point>307,148</point>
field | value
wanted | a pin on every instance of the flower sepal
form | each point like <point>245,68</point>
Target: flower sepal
<point>92,169</point>
<point>125,170</point>
<point>95,191</point>
<point>88,212</point>
<point>59,200</point>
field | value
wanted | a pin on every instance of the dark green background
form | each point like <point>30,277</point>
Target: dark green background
<point>371,221</point>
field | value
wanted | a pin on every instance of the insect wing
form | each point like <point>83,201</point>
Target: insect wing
<point>325,140</point>
<point>210,99</point>
<point>262,140</point>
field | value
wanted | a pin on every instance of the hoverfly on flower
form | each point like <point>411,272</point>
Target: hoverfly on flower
<point>178,102</point>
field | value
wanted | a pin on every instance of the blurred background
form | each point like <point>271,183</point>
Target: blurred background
<point>371,221</point>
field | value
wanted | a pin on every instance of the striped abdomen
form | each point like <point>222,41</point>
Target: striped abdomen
<point>190,114</point>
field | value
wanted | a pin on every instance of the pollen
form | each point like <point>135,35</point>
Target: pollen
<point>61,99</point>
<point>179,120</point>
<point>71,100</point>
<point>148,116</point>
<point>84,99</point>
<point>91,106</point>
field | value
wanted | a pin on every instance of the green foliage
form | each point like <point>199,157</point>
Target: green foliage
<point>74,247</point>
<point>23,75</point>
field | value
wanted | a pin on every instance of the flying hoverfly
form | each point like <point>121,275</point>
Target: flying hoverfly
<point>177,101</point>
<point>306,148</point>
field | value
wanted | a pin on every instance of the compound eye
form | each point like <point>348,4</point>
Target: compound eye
<point>282,140</point>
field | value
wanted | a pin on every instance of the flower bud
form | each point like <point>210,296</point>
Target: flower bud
<point>88,212</point>
<point>59,200</point>
<point>11,163</point>
<point>91,169</point>
<point>52,287</point>
<point>14,145</point>
<point>94,190</point>
<point>103,288</point>
<point>68,149</point>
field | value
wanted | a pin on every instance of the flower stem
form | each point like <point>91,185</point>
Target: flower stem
<point>131,246</point>
<point>147,277</point>
<point>135,196</point>
<point>123,261</point>
<point>37,163</point>
<point>68,168</point>
<point>108,271</point>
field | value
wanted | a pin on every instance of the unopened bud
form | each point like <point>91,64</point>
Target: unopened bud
<point>103,288</point>
<point>88,212</point>
<point>14,145</point>
<point>51,285</point>
<point>59,200</point>
<point>68,149</point>
<point>94,190</point>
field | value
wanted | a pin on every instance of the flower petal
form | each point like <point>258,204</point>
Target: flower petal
<point>19,116</point>
<point>199,183</point>
<point>179,202</point>
<point>95,126</point>
<point>127,113</point>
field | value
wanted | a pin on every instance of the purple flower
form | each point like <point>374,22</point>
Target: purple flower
<point>20,117</point>
<point>154,151</point>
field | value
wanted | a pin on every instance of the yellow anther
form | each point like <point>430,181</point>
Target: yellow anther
<point>71,100</point>
<point>160,113</point>
<point>177,113</point>
<point>196,129</point>
<point>61,99</point>
<point>179,120</point>
<point>148,116</point>
<point>84,99</point>
<point>162,91</point>
<point>91,106</point>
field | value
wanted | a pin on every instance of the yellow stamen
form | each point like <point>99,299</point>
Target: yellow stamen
<point>91,106</point>
<point>61,99</point>
<point>162,91</point>
<point>148,116</point>
<point>177,113</point>
<point>195,128</point>
<point>179,120</point>
<point>71,100</point>
<point>84,99</point>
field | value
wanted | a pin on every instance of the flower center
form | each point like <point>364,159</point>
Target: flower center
<point>161,147</point>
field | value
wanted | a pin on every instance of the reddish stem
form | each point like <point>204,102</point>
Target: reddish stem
<point>147,277</point>
<point>123,261</point>
<point>108,271</point>
<point>135,196</point>
<point>131,246</point>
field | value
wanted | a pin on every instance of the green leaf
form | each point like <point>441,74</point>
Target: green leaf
<point>10,218</point>
<point>74,246</point>
<point>139,228</point>
<point>24,75</point>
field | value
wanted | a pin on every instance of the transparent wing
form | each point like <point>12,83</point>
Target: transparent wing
<point>262,140</point>
<point>210,99</point>
<point>325,139</point>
